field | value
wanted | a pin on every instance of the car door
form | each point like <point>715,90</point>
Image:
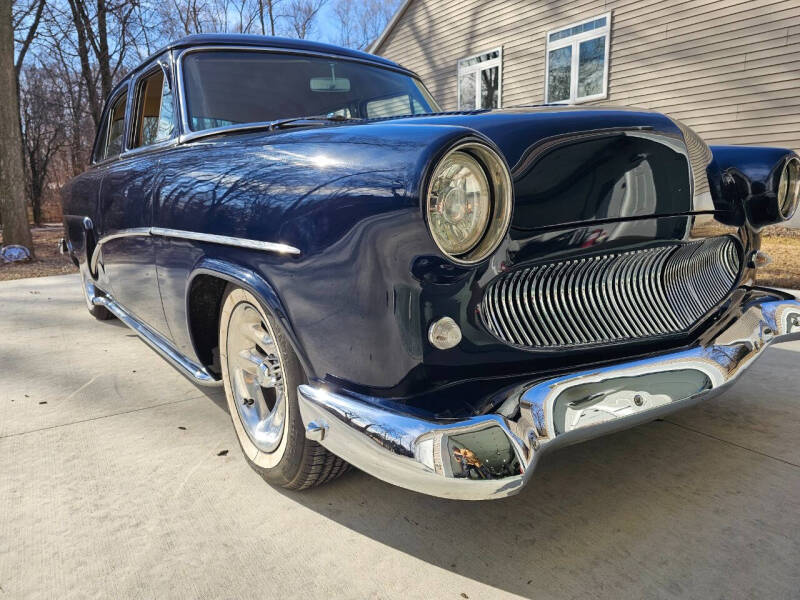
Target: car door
<point>126,198</point>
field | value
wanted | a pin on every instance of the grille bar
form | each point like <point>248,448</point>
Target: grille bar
<point>613,297</point>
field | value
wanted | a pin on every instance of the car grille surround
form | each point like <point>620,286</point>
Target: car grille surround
<point>613,297</point>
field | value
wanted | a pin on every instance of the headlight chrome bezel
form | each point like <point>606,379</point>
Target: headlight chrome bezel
<point>788,192</point>
<point>501,200</point>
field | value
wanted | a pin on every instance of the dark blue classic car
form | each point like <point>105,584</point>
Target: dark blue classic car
<point>436,298</point>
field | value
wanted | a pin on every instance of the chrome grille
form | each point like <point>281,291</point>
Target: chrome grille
<point>611,297</point>
<point>700,157</point>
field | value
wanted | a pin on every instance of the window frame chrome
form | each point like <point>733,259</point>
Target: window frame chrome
<point>105,125</point>
<point>135,84</point>
<point>165,62</point>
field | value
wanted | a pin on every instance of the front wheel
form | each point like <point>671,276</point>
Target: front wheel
<point>261,372</point>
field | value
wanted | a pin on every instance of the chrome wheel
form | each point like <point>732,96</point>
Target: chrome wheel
<point>261,372</point>
<point>255,372</point>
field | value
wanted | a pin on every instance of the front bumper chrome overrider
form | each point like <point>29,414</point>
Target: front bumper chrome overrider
<point>491,456</point>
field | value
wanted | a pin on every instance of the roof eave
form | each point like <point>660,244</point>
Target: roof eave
<point>374,46</point>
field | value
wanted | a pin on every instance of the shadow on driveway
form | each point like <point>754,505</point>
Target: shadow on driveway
<point>654,511</point>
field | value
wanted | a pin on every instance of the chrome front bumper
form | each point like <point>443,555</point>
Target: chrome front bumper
<point>491,456</point>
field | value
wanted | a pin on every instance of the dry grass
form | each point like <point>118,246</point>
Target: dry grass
<point>48,261</point>
<point>783,246</point>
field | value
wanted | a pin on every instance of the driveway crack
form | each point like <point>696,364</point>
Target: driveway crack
<point>98,418</point>
<point>724,441</point>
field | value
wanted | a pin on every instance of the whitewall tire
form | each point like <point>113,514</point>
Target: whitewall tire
<point>261,372</point>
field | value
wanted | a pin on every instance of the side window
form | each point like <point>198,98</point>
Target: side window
<point>115,128</point>
<point>394,107</point>
<point>154,111</point>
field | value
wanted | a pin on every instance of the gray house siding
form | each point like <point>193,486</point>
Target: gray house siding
<point>730,69</point>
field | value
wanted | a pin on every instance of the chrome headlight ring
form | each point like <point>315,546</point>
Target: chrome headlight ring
<point>468,202</point>
<point>789,188</point>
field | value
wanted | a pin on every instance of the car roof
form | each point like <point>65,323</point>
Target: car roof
<point>245,40</point>
<point>239,39</point>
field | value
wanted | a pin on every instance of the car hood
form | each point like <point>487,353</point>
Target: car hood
<point>576,165</point>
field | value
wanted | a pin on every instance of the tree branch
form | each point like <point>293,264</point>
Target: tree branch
<point>29,38</point>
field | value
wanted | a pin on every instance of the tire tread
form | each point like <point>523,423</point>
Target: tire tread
<point>319,466</point>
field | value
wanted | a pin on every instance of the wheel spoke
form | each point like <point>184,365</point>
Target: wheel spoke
<point>256,333</point>
<point>266,369</point>
<point>261,408</point>
<point>273,420</point>
<point>250,360</point>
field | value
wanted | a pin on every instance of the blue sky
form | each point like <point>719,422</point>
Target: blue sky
<point>326,25</point>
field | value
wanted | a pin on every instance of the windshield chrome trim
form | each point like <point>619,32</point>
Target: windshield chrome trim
<point>186,132</point>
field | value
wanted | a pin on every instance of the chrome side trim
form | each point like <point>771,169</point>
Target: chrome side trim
<point>125,233</point>
<point>191,235</point>
<point>226,240</point>
<point>491,456</point>
<point>184,365</point>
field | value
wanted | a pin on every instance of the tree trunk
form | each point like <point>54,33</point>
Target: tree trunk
<point>271,17</point>
<point>103,54</point>
<point>13,206</point>
<point>86,68</point>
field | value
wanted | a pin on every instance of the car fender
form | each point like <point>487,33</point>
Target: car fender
<point>257,285</point>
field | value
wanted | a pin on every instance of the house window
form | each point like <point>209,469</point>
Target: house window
<point>479,80</point>
<point>577,61</point>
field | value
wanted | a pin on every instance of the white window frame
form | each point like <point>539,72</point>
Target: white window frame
<point>477,68</point>
<point>574,41</point>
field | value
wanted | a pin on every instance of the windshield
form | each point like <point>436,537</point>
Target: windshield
<point>226,87</point>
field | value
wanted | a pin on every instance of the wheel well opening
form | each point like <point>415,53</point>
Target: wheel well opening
<point>205,305</point>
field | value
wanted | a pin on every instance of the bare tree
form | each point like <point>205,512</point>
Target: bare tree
<point>43,129</point>
<point>19,22</point>
<point>57,48</point>
<point>267,8</point>
<point>102,32</point>
<point>360,22</point>
<point>13,207</point>
<point>81,49</point>
<point>186,17</point>
<point>301,15</point>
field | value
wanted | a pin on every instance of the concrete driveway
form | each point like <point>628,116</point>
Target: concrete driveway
<point>120,479</point>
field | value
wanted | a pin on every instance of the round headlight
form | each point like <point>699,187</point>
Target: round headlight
<point>469,202</point>
<point>789,188</point>
<point>459,203</point>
